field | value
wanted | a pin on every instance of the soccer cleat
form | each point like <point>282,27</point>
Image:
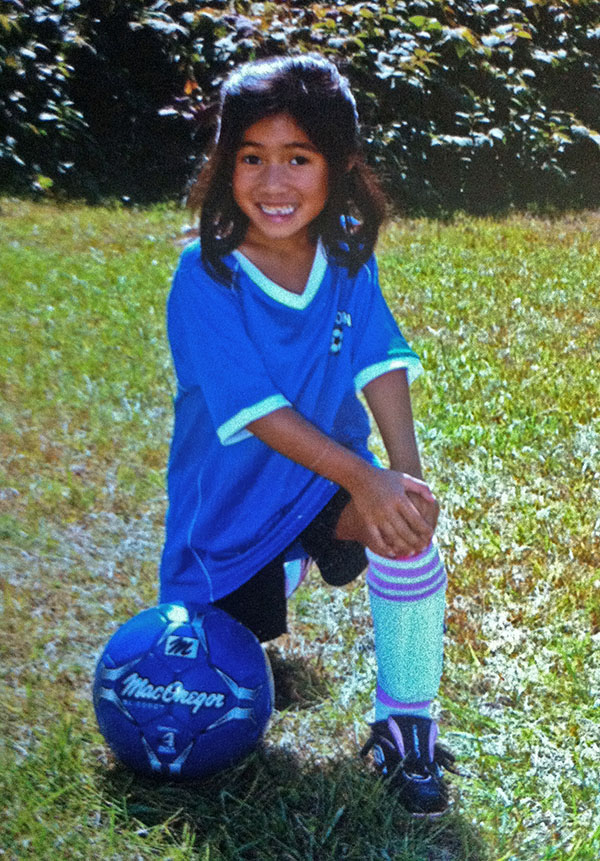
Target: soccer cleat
<point>405,753</point>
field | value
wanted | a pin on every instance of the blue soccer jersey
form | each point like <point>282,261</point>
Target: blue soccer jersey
<point>240,353</point>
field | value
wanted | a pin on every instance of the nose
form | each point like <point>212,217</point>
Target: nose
<point>273,176</point>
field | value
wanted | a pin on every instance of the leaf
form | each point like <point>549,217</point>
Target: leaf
<point>455,140</point>
<point>8,23</point>
<point>492,40</point>
<point>583,131</point>
<point>544,56</point>
<point>44,182</point>
<point>160,22</point>
<point>461,34</point>
<point>327,23</point>
<point>318,10</point>
<point>427,24</point>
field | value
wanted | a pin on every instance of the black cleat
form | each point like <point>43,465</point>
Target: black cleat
<point>405,753</point>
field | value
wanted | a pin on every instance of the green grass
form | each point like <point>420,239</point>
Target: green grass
<point>505,315</point>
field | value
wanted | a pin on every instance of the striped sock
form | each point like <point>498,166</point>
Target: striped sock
<point>407,603</point>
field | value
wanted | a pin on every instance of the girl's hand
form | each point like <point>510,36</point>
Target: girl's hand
<point>399,512</point>
<point>429,509</point>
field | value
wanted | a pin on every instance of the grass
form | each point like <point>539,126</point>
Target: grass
<point>506,317</point>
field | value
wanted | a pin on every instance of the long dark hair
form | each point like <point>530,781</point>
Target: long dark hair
<point>311,90</point>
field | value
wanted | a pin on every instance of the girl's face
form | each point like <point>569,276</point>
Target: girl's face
<point>280,181</point>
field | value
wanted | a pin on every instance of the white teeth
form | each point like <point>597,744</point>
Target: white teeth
<point>277,210</point>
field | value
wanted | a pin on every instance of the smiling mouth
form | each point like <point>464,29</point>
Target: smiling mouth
<point>288,209</point>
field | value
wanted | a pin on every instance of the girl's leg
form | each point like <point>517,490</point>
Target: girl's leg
<point>339,561</point>
<point>260,604</point>
<point>407,604</point>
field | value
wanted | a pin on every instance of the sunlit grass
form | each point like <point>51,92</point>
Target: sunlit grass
<point>505,315</point>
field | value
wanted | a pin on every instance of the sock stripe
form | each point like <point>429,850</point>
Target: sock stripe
<point>414,584</point>
<point>403,563</point>
<point>418,596</point>
<point>391,703</point>
<point>412,573</point>
<point>417,567</point>
<point>406,579</point>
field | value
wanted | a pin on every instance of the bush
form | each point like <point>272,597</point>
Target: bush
<point>81,89</point>
<point>464,104</point>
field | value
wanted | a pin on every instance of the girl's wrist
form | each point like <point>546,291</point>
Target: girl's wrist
<point>412,468</point>
<point>344,467</point>
<point>359,475</point>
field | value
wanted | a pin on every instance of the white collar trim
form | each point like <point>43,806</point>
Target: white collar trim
<point>280,294</point>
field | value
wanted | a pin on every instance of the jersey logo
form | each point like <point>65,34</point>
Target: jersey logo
<point>342,319</point>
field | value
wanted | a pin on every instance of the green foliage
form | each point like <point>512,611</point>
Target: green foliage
<point>465,104</point>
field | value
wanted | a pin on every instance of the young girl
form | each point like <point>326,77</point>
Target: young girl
<point>276,321</point>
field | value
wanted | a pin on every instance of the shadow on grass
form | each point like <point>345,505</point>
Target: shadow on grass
<point>280,806</point>
<point>298,683</point>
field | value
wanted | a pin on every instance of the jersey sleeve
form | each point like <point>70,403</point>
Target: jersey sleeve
<point>212,351</point>
<point>380,347</point>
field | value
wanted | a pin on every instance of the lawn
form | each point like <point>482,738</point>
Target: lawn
<point>506,317</point>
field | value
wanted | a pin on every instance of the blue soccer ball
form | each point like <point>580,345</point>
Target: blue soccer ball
<point>182,693</point>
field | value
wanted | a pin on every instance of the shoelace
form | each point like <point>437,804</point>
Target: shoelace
<point>441,755</point>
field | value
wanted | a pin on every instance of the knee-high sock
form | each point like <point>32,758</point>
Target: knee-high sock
<point>407,603</point>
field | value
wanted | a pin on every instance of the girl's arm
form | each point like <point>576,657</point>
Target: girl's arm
<point>387,521</point>
<point>388,397</point>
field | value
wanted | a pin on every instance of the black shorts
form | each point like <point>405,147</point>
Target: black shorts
<point>260,603</point>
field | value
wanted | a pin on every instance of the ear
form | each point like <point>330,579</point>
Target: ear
<point>351,163</point>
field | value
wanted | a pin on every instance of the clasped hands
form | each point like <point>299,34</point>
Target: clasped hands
<point>399,512</point>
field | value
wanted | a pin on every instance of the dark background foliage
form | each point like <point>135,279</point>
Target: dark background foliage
<point>477,105</point>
